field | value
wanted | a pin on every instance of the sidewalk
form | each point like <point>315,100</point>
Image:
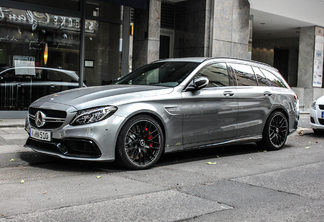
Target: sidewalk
<point>12,123</point>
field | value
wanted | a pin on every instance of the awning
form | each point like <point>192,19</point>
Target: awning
<point>131,3</point>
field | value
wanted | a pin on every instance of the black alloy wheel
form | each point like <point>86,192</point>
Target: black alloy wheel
<point>275,132</point>
<point>140,143</point>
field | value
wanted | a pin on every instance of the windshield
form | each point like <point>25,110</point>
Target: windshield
<point>160,74</point>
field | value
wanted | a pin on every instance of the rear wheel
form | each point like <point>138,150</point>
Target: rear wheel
<point>140,143</point>
<point>275,131</point>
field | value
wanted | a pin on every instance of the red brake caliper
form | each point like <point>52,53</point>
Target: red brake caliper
<point>149,137</point>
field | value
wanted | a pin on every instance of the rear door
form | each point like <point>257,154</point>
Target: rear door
<point>210,113</point>
<point>254,99</point>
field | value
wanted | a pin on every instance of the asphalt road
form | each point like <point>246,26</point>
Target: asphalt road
<point>230,183</point>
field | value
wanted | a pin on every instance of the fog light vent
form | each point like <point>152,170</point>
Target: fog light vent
<point>312,120</point>
<point>82,147</point>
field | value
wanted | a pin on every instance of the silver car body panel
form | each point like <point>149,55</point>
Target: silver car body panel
<point>190,119</point>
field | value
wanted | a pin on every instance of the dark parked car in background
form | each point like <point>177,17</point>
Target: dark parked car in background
<point>166,106</point>
<point>20,86</point>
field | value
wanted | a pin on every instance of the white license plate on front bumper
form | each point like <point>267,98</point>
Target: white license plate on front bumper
<point>40,134</point>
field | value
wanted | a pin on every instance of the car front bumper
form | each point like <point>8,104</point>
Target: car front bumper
<point>93,142</point>
<point>317,119</point>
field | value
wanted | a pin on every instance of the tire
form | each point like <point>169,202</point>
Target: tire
<point>140,143</point>
<point>275,132</point>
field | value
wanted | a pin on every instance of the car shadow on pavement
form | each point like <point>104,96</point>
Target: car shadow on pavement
<point>57,164</point>
<point>48,162</point>
<point>207,153</point>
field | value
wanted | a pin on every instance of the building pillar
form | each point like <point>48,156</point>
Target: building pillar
<point>230,24</point>
<point>192,28</point>
<point>310,66</point>
<point>306,57</point>
<point>147,34</point>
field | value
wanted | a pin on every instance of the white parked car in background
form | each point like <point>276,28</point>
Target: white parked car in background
<point>317,116</point>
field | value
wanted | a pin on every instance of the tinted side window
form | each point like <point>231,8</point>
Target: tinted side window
<point>217,74</point>
<point>244,75</point>
<point>11,75</point>
<point>57,76</point>
<point>262,80</point>
<point>274,80</point>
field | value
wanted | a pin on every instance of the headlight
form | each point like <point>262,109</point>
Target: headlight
<point>93,115</point>
<point>314,105</point>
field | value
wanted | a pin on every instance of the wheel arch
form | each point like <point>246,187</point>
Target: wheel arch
<point>280,109</point>
<point>266,140</point>
<point>155,116</point>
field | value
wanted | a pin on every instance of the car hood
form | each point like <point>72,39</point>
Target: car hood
<point>82,98</point>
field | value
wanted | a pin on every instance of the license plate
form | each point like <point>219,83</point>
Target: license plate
<point>322,114</point>
<point>40,135</point>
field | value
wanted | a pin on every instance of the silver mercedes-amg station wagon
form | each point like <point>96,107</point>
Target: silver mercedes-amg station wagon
<point>166,106</point>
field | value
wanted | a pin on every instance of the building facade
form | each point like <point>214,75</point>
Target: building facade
<point>101,40</point>
<point>289,35</point>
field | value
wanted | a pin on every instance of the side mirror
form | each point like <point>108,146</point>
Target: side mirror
<point>116,80</point>
<point>198,83</point>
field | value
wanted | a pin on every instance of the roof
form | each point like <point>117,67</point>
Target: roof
<point>202,59</point>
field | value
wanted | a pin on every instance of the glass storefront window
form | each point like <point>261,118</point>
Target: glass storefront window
<point>34,45</point>
<point>40,51</point>
<point>59,4</point>
<point>102,48</point>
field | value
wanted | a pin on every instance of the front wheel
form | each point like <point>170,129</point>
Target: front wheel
<point>140,143</point>
<point>275,131</point>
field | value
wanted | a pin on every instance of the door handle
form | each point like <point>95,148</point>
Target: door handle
<point>228,93</point>
<point>267,93</point>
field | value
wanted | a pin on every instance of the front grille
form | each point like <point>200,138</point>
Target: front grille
<point>54,118</point>
<point>67,147</point>
<point>321,107</point>
<point>48,112</point>
<point>321,121</point>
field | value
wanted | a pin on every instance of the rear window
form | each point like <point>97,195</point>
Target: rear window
<point>262,80</point>
<point>273,79</point>
<point>244,75</point>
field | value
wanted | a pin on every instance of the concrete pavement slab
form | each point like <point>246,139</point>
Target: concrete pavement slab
<point>253,203</point>
<point>168,177</point>
<point>169,205</point>
<point>14,136</point>
<point>12,122</point>
<point>294,180</point>
<point>12,149</point>
<point>60,192</point>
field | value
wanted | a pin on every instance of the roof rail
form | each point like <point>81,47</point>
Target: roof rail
<point>247,60</point>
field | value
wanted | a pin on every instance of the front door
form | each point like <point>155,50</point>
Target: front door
<point>210,114</point>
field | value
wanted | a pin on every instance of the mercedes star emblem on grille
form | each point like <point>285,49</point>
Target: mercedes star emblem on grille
<point>40,119</point>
